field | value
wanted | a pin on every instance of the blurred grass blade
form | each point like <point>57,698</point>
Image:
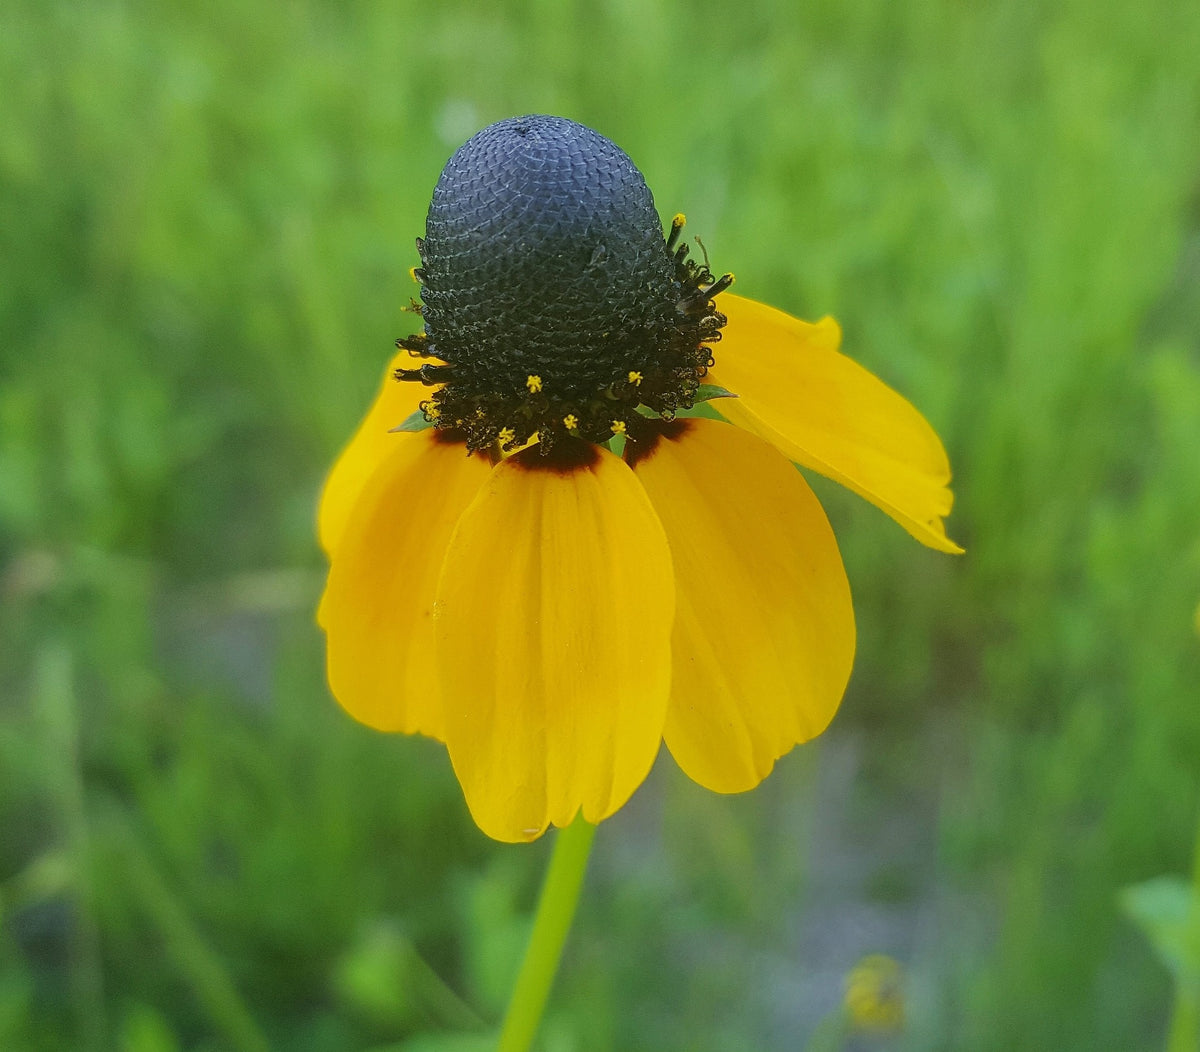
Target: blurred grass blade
<point>54,699</point>
<point>196,961</point>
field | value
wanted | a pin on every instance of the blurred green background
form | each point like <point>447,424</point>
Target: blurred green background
<point>207,212</point>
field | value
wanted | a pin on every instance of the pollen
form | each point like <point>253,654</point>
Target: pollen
<point>635,378</point>
<point>570,421</point>
<point>412,275</point>
<point>534,383</point>
<point>618,427</point>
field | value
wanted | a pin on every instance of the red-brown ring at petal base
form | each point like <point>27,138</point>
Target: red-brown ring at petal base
<point>650,434</point>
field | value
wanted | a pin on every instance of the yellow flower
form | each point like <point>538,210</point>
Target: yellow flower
<point>555,614</point>
<point>874,999</point>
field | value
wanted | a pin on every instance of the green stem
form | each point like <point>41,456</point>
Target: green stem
<point>556,910</point>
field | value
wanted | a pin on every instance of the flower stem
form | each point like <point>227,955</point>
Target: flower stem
<point>555,911</point>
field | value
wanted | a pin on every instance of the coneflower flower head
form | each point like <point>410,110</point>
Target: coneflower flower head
<point>549,296</point>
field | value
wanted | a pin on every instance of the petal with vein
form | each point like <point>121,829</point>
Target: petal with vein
<point>827,412</point>
<point>368,447</point>
<point>764,627</point>
<point>378,602</point>
<point>553,633</point>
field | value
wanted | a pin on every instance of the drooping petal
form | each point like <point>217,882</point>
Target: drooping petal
<point>764,627</point>
<point>365,451</point>
<point>553,633</point>
<point>378,602</point>
<point>827,412</point>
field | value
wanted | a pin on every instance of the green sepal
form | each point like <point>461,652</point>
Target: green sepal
<point>707,392</point>
<point>413,422</point>
<point>704,393</point>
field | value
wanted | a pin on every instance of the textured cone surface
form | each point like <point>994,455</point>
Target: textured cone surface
<point>544,256</point>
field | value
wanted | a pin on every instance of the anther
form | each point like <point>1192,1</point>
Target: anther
<point>718,286</point>
<point>534,383</point>
<point>618,427</point>
<point>415,344</point>
<point>677,223</point>
<point>570,421</point>
<point>635,378</point>
<point>429,374</point>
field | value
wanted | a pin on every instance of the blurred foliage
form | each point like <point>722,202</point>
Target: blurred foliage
<point>1168,911</point>
<point>206,215</point>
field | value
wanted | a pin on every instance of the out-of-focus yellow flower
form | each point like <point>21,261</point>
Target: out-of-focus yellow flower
<point>554,611</point>
<point>874,999</point>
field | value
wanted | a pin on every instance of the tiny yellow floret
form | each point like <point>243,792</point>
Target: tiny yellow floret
<point>570,421</point>
<point>635,378</point>
<point>507,434</point>
<point>618,427</point>
<point>534,383</point>
<point>433,412</point>
<point>678,220</point>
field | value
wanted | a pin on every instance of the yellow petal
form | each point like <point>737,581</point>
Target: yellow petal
<point>553,641</point>
<point>764,627</point>
<point>365,451</point>
<point>378,602</point>
<point>827,412</point>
